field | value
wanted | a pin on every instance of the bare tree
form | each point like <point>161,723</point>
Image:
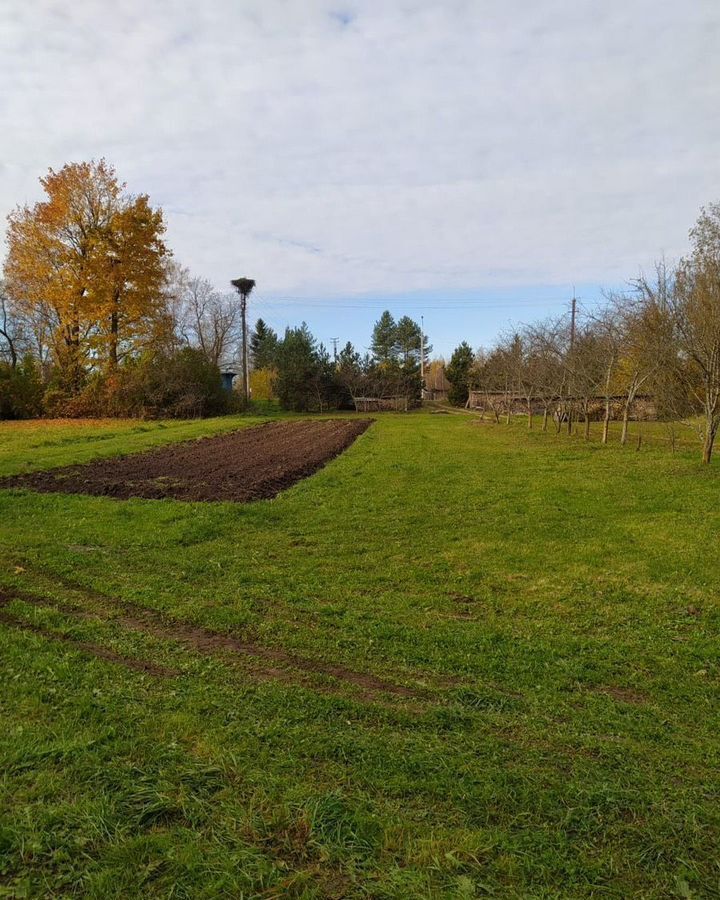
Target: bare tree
<point>608,336</point>
<point>551,342</point>
<point>530,372</point>
<point>494,374</point>
<point>588,368</point>
<point>25,330</point>
<point>639,316</point>
<point>543,340</point>
<point>204,318</point>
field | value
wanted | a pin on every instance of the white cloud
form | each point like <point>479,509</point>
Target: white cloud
<point>337,147</point>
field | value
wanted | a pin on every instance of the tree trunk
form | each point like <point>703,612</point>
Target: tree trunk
<point>606,417</point>
<point>587,424</point>
<point>606,421</point>
<point>629,400</point>
<point>530,416</point>
<point>11,348</point>
<point>709,441</point>
<point>113,349</point>
<point>625,420</point>
<point>72,367</point>
<point>545,418</point>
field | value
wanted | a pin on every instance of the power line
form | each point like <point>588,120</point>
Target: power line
<point>369,305</point>
<point>326,299</point>
<point>270,319</point>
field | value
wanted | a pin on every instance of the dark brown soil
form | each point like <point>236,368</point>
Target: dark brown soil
<point>249,464</point>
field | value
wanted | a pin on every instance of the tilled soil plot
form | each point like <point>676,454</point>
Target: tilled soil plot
<point>249,464</point>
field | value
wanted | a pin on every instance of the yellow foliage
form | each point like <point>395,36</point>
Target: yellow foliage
<point>90,260</point>
<point>261,384</point>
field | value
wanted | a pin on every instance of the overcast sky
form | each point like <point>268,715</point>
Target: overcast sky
<point>469,161</point>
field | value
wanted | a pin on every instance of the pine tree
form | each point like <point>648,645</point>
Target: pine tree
<point>384,343</point>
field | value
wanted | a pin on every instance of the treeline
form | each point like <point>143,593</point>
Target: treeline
<point>98,319</point>
<point>304,376</point>
<point>660,337</point>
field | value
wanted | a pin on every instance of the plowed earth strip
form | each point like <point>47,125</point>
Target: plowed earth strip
<point>249,464</point>
<point>204,641</point>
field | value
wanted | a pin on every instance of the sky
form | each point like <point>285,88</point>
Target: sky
<point>467,161</point>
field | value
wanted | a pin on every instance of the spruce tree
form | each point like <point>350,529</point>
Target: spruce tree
<point>458,374</point>
<point>263,346</point>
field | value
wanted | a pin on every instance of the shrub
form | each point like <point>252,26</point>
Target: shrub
<point>261,384</point>
<point>184,385</point>
<point>21,390</point>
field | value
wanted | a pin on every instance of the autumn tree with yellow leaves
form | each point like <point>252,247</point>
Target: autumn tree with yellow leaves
<point>90,260</point>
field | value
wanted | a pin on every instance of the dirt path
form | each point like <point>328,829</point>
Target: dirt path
<point>249,464</point>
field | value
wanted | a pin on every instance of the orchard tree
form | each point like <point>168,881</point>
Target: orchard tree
<point>544,342</point>
<point>588,369</point>
<point>694,305</point>
<point>639,321</point>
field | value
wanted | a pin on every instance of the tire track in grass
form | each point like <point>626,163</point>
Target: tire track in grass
<point>286,665</point>
<point>87,647</point>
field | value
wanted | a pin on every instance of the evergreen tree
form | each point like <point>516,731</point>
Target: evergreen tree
<point>409,339</point>
<point>263,346</point>
<point>384,343</point>
<point>298,365</point>
<point>350,374</point>
<point>458,374</point>
<point>349,358</point>
<point>398,343</point>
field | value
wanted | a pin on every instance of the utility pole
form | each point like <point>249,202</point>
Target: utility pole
<point>422,357</point>
<point>244,287</point>
<point>335,343</point>
<point>573,317</point>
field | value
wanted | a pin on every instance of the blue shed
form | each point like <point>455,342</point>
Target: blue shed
<point>227,380</point>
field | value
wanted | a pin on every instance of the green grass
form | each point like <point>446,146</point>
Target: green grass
<point>553,605</point>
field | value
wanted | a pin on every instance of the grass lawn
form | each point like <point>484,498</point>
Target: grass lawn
<point>482,663</point>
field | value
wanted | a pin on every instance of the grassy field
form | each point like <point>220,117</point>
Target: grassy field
<point>481,662</point>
